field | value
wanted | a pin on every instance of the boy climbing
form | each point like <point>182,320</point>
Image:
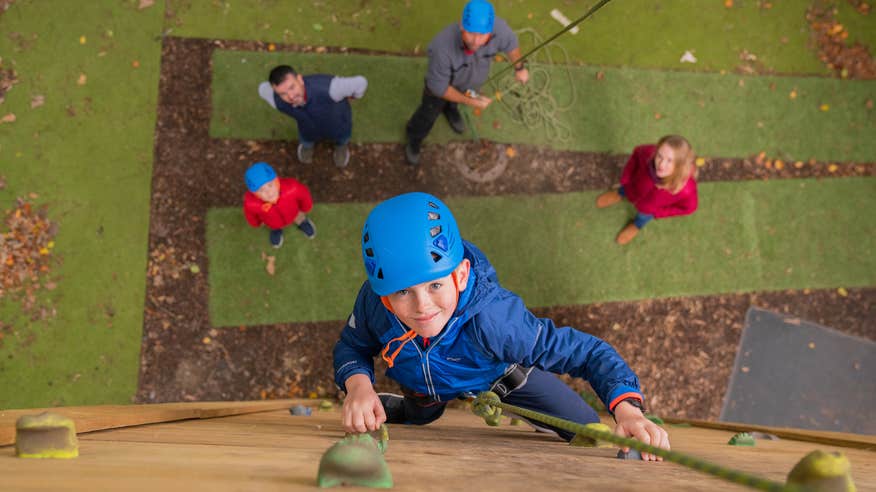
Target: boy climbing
<point>432,307</point>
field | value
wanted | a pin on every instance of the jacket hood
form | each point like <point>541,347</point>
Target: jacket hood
<point>484,279</point>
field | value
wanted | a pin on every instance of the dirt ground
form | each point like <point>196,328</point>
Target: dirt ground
<point>682,348</point>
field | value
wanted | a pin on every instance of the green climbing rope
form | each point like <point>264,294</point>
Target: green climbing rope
<point>488,405</point>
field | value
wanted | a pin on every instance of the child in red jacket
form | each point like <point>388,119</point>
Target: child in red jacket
<point>659,180</point>
<point>276,202</point>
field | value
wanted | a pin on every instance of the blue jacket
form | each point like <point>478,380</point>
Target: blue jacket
<point>320,117</point>
<point>490,330</point>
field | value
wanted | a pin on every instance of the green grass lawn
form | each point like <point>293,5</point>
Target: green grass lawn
<point>558,249</point>
<point>723,115</point>
<point>641,33</point>
<point>87,153</point>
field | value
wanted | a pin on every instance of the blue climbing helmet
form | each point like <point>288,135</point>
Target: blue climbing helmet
<point>478,17</point>
<point>258,174</point>
<point>407,240</point>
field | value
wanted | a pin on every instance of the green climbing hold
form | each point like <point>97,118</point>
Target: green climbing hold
<point>45,435</point>
<point>326,405</point>
<point>585,441</point>
<point>354,461</point>
<point>823,472</point>
<point>516,421</point>
<point>653,418</point>
<point>741,439</point>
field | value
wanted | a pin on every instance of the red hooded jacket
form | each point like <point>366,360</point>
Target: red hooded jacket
<point>294,197</point>
<point>640,188</point>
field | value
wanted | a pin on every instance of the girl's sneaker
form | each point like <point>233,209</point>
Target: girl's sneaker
<point>276,238</point>
<point>308,228</point>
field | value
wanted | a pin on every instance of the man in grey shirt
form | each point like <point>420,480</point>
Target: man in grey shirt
<point>459,62</point>
<point>320,105</point>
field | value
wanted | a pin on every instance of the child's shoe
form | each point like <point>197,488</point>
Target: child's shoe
<point>627,234</point>
<point>308,228</point>
<point>276,238</point>
<point>607,199</point>
<point>305,154</point>
<point>341,155</point>
<point>394,406</point>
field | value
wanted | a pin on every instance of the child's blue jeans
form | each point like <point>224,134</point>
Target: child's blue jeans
<point>543,393</point>
<point>641,219</point>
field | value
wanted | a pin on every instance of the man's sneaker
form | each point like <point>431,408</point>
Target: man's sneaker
<point>341,155</point>
<point>394,406</point>
<point>308,228</point>
<point>276,238</point>
<point>412,155</point>
<point>305,154</point>
<point>455,120</point>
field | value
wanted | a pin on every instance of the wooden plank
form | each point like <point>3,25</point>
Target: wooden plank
<point>275,451</point>
<point>859,441</point>
<point>100,417</point>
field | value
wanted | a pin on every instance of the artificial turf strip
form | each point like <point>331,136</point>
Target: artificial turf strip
<point>558,249</point>
<point>87,154</point>
<point>723,115</point>
<point>639,33</point>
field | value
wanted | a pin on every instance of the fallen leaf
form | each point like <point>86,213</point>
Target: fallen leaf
<point>700,162</point>
<point>600,75</point>
<point>82,79</point>
<point>146,4</point>
<point>657,116</point>
<point>510,152</point>
<point>9,118</point>
<point>728,4</point>
<point>498,58</point>
<point>477,111</point>
<point>760,157</point>
<point>842,292</point>
<point>135,63</point>
<point>497,124</point>
<point>793,94</point>
<point>312,395</point>
<point>37,101</point>
<point>824,107</point>
<point>272,47</point>
<point>270,266</point>
<point>82,39</point>
<point>780,164</point>
<point>831,168</point>
<point>529,15</point>
<point>195,269</point>
<point>206,340</point>
<point>798,164</point>
<point>317,27</point>
<point>869,104</point>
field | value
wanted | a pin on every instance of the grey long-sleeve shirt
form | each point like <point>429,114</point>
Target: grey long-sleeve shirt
<point>449,65</point>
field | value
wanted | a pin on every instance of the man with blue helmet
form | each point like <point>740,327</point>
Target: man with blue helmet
<point>433,309</point>
<point>459,62</point>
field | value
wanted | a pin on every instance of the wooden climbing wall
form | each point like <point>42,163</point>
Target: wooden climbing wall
<point>276,451</point>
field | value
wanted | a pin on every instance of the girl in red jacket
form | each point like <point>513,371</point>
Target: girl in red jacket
<point>659,180</point>
<point>276,202</point>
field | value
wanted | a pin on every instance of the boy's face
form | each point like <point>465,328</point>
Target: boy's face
<point>291,90</point>
<point>426,308</point>
<point>270,191</point>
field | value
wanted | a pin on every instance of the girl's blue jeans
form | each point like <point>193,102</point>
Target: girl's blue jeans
<point>641,219</point>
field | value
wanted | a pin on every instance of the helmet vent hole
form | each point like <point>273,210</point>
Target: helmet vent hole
<point>434,216</point>
<point>369,252</point>
<point>366,238</point>
<point>380,274</point>
<point>436,257</point>
<point>432,204</point>
<point>434,231</point>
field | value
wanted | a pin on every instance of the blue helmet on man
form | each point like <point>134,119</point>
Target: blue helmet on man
<point>407,240</point>
<point>478,17</point>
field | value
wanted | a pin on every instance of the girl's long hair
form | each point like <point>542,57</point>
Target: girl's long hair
<point>684,163</point>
